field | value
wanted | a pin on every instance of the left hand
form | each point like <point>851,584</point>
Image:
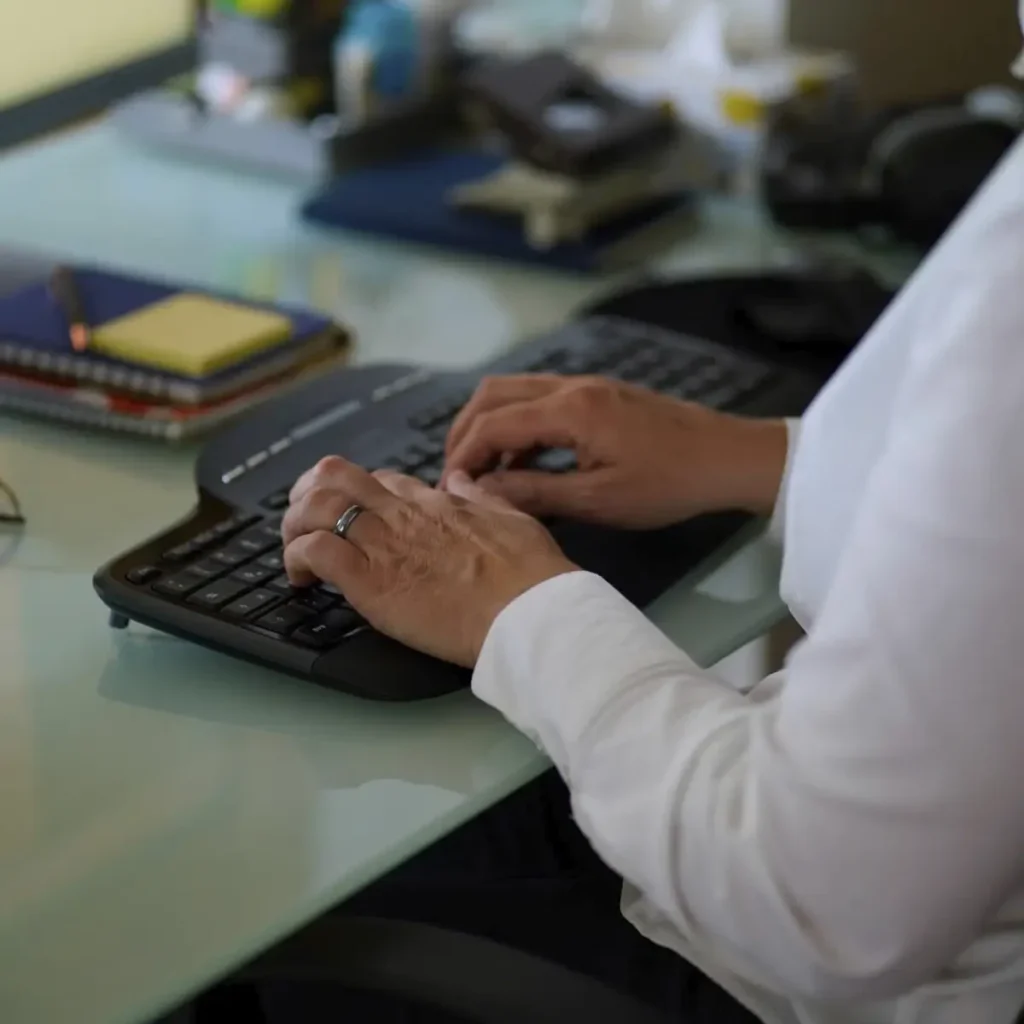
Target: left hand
<point>430,569</point>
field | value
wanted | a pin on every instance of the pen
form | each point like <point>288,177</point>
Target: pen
<point>69,298</point>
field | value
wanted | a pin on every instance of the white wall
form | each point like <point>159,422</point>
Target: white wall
<point>48,43</point>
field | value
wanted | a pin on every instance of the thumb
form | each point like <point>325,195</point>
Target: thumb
<point>543,494</point>
<point>462,486</point>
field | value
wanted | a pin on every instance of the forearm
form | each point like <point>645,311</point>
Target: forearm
<point>734,817</point>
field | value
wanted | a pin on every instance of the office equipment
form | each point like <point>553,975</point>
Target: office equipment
<point>192,335</point>
<point>557,116</point>
<point>409,200</point>
<point>831,164</point>
<point>217,578</point>
<point>65,291</point>
<point>33,340</point>
<point>809,318</point>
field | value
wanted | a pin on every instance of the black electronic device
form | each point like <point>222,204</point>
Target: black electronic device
<point>830,165</point>
<point>559,117</point>
<point>216,578</point>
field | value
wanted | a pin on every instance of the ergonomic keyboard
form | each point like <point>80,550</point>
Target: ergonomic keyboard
<point>217,578</point>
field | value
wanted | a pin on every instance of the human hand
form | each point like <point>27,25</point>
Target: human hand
<point>428,568</point>
<point>645,460</point>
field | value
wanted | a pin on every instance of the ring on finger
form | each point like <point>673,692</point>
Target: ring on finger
<point>347,521</point>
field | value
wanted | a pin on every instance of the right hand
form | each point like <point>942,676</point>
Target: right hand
<point>645,460</point>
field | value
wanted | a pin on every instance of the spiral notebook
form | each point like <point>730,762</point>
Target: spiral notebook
<point>34,338</point>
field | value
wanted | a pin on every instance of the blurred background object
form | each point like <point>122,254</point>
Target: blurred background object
<point>914,50</point>
<point>66,59</point>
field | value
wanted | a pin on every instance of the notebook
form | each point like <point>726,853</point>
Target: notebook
<point>34,336</point>
<point>90,407</point>
<point>408,200</point>
<point>191,334</point>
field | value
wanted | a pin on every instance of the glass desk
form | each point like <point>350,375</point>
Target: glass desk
<point>168,812</point>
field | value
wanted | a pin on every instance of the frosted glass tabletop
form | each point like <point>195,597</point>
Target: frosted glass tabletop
<point>167,812</point>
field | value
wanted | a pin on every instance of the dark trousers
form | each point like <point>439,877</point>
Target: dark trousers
<point>523,875</point>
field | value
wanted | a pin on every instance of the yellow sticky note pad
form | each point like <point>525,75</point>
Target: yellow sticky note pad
<point>191,335</point>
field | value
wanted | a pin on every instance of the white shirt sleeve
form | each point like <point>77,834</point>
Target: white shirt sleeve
<point>846,831</point>
<point>777,525</point>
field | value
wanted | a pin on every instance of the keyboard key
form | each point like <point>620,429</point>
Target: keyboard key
<point>280,585</point>
<point>315,600</point>
<point>272,560</point>
<point>257,541</point>
<point>243,520</point>
<point>207,569</point>
<point>143,575</point>
<point>181,553</point>
<point>285,618</point>
<point>724,397</point>
<point>255,601</point>
<point>253,574</point>
<point>216,595</point>
<point>662,378</point>
<point>204,540</point>
<point>328,629</point>
<point>276,501</point>
<point>557,460</point>
<point>232,526</point>
<point>231,555</point>
<point>181,585</point>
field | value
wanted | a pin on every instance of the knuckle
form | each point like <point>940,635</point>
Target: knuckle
<point>589,393</point>
<point>328,467</point>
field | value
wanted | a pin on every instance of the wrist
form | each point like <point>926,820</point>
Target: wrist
<point>754,459</point>
<point>515,588</point>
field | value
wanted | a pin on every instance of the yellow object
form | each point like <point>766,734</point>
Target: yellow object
<point>192,335</point>
<point>743,109</point>
<point>50,43</point>
<point>261,8</point>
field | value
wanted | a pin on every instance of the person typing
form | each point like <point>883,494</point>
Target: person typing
<point>845,842</point>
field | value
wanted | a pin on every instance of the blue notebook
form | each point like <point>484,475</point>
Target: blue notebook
<point>34,336</point>
<point>407,201</point>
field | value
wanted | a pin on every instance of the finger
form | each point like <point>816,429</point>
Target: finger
<point>496,392</point>
<point>462,486</point>
<point>321,509</point>
<point>337,472</point>
<point>512,430</point>
<point>578,495</point>
<point>322,556</point>
<point>406,487</point>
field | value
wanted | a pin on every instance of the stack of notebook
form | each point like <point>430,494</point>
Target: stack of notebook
<point>162,361</point>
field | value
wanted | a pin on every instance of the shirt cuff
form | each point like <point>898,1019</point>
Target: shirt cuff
<point>777,526</point>
<point>562,653</point>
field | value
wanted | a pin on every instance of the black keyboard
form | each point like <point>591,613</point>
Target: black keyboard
<point>218,578</point>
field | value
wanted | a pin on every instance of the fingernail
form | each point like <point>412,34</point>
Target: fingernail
<point>459,477</point>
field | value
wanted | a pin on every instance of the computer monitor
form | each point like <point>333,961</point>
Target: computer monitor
<point>65,59</point>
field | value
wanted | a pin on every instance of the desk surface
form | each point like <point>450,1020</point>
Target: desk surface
<point>167,812</point>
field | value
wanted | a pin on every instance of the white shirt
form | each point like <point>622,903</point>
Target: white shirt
<point>846,843</point>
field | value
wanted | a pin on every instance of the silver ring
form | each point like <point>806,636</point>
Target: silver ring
<point>344,524</point>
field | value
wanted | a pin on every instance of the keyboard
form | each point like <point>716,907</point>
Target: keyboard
<point>217,578</point>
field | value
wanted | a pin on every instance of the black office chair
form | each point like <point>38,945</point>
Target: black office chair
<point>478,981</point>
